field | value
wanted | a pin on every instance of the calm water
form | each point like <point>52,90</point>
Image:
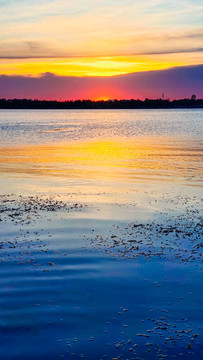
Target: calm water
<point>101,234</point>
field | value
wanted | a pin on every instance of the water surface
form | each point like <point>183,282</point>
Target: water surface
<point>100,250</point>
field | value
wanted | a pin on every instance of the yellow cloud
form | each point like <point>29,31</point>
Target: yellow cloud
<point>96,66</point>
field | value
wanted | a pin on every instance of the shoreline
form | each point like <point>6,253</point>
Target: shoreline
<point>100,104</point>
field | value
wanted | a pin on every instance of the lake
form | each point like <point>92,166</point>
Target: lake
<point>101,234</point>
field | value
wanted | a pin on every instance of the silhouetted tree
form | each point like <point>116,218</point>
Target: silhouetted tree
<point>101,104</point>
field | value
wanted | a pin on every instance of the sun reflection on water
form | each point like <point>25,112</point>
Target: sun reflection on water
<point>105,159</point>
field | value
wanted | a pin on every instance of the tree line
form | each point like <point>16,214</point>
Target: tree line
<point>101,104</point>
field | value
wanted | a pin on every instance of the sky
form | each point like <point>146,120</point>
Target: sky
<point>98,38</point>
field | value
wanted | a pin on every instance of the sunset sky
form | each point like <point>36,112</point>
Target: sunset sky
<point>97,38</point>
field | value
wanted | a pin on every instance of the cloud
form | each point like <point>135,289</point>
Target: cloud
<point>61,56</point>
<point>111,27</point>
<point>173,51</point>
<point>178,82</point>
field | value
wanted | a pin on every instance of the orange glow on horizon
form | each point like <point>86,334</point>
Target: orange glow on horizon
<point>101,95</point>
<point>102,98</point>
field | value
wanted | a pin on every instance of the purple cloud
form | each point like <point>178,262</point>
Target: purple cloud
<point>178,82</point>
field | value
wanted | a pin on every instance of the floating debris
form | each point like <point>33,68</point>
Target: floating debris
<point>177,237</point>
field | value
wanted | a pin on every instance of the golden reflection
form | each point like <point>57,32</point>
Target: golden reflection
<point>105,159</point>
